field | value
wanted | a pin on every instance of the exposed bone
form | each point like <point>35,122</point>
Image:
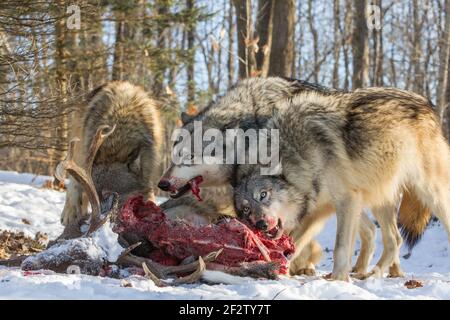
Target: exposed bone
<point>261,248</point>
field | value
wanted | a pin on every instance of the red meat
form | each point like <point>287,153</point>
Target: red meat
<point>175,240</point>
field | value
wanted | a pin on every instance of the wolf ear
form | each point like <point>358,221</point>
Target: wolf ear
<point>185,118</point>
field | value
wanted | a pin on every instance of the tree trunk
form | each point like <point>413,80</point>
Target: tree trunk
<point>191,56</point>
<point>416,55</point>
<point>124,61</point>
<point>61,125</point>
<point>378,50</point>
<point>360,45</point>
<point>337,42</point>
<point>118,68</point>
<point>346,39</point>
<point>443,92</point>
<point>161,43</point>
<point>315,37</point>
<point>246,43</point>
<point>231,57</point>
<point>282,51</point>
<point>264,27</point>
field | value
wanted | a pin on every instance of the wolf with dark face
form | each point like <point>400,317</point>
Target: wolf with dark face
<point>127,162</point>
<point>270,203</point>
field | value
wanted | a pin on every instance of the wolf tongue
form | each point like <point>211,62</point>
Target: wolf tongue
<point>194,185</point>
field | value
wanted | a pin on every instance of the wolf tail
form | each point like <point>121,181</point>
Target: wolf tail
<point>413,218</point>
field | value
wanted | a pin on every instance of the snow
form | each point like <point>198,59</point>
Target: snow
<point>107,240</point>
<point>22,198</point>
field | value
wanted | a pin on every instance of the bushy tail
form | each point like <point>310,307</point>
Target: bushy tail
<point>413,218</point>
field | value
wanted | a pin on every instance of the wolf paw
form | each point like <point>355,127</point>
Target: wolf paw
<point>359,270</point>
<point>340,276</point>
<point>70,215</point>
<point>376,273</point>
<point>396,275</point>
<point>306,271</point>
<point>360,276</point>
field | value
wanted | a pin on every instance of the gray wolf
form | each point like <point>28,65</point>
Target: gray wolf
<point>343,151</point>
<point>250,104</point>
<point>346,151</point>
<point>269,201</point>
<point>128,160</point>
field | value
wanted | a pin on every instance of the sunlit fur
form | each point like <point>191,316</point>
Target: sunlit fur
<point>128,160</point>
<point>346,151</point>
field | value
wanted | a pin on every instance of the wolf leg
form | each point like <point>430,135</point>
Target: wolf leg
<point>305,263</point>
<point>308,228</point>
<point>347,212</point>
<point>366,231</point>
<point>394,270</point>
<point>149,167</point>
<point>386,217</point>
<point>73,207</point>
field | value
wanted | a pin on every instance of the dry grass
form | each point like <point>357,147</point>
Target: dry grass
<point>16,243</point>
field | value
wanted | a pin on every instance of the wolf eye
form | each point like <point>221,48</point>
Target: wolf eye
<point>246,210</point>
<point>263,194</point>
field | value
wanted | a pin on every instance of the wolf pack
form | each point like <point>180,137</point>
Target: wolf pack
<point>340,153</point>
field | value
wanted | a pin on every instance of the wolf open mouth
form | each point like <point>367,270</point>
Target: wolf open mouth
<point>277,231</point>
<point>192,185</point>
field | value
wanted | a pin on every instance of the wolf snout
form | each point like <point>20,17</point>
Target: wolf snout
<point>164,185</point>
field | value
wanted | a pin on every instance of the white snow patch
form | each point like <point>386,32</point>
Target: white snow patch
<point>20,203</point>
<point>107,240</point>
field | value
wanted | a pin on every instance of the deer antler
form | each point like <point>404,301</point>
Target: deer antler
<point>156,271</point>
<point>84,175</point>
<point>191,278</point>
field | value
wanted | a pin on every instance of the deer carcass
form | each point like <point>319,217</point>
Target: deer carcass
<point>174,247</point>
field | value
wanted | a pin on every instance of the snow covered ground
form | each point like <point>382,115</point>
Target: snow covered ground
<point>22,198</point>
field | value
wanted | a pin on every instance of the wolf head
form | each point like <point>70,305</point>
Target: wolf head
<point>106,175</point>
<point>248,105</point>
<point>263,200</point>
<point>197,156</point>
